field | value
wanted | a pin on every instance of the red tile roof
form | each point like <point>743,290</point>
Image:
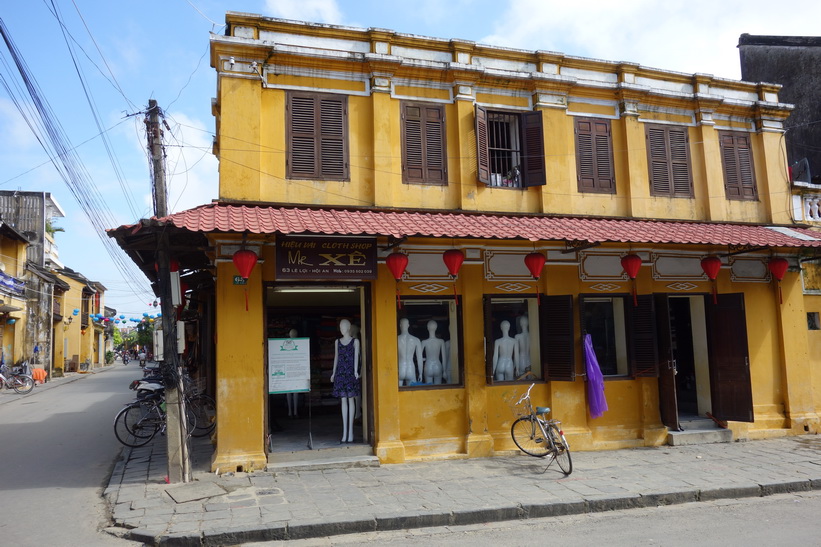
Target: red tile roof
<point>222,217</point>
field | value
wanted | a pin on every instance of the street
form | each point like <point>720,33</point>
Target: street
<point>784,520</point>
<point>57,451</point>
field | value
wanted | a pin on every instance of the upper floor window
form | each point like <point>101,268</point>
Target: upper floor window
<point>668,157</point>
<point>424,159</point>
<point>737,160</point>
<point>317,127</point>
<point>510,148</point>
<point>594,156</point>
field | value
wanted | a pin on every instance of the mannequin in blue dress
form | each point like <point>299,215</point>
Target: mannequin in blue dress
<point>345,377</point>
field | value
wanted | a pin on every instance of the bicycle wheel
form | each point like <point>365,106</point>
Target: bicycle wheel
<point>529,437</point>
<point>22,383</point>
<point>137,423</point>
<point>562,450</point>
<point>204,408</point>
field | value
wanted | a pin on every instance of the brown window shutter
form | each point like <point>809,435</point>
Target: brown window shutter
<point>641,326</point>
<point>423,144</point>
<point>333,138</point>
<point>556,337</point>
<point>482,152</point>
<point>668,155</point>
<point>533,168</point>
<point>737,160</point>
<point>594,156</point>
<point>302,143</point>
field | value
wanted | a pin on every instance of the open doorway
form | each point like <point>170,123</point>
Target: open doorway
<point>313,420</point>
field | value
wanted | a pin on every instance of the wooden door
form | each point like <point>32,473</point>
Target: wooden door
<point>732,397</point>
<point>668,404</point>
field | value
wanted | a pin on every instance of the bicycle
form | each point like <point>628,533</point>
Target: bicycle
<point>138,422</point>
<point>538,436</point>
<point>18,381</point>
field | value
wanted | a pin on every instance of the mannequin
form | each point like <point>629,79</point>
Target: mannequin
<point>435,358</point>
<point>522,364</point>
<point>293,398</point>
<point>505,353</point>
<point>408,348</point>
<point>345,377</point>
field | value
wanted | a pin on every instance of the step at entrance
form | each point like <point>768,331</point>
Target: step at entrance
<point>342,457</point>
<point>698,430</point>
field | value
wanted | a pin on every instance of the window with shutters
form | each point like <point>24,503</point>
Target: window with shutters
<point>594,156</point>
<point>668,157</point>
<point>317,133</point>
<point>737,160</point>
<point>510,148</point>
<point>424,157</point>
<point>623,332</point>
<point>529,338</point>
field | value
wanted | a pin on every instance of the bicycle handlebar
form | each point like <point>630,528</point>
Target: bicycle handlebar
<point>526,395</point>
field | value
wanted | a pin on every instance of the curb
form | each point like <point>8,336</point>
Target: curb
<point>307,529</point>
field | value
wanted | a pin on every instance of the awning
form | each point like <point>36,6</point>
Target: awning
<point>224,217</point>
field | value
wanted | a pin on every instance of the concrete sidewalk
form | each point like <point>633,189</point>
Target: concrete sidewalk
<point>235,508</point>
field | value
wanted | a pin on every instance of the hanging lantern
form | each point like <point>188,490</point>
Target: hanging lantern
<point>535,262</point>
<point>245,260</point>
<point>631,263</point>
<point>453,260</point>
<point>778,267</point>
<point>711,265</point>
<point>397,262</point>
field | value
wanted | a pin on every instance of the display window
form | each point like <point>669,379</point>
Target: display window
<point>529,338</point>
<point>428,343</point>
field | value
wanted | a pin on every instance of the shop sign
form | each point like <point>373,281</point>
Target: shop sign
<point>325,258</point>
<point>239,280</point>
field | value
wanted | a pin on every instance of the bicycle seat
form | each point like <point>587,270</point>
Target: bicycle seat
<point>542,410</point>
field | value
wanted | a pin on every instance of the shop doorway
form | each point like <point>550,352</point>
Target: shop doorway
<point>313,420</point>
<point>703,358</point>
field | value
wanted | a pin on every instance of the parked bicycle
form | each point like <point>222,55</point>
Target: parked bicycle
<point>538,436</point>
<point>19,381</point>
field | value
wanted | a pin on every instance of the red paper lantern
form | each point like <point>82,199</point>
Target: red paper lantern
<point>778,267</point>
<point>535,262</point>
<point>173,265</point>
<point>245,260</point>
<point>397,262</point>
<point>711,265</point>
<point>453,260</point>
<point>631,264</point>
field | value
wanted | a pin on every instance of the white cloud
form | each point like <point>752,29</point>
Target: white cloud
<point>694,36</point>
<point>321,11</point>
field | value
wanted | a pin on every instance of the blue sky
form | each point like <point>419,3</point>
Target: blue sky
<point>130,52</point>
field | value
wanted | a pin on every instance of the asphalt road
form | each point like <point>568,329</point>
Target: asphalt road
<point>57,449</point>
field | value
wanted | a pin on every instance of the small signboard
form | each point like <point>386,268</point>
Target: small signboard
<point>325,258</point>
<point>289,365</point>
<point>239,280</point>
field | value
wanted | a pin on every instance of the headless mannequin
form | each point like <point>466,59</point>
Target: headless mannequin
<point>435,357</point>
<point>408,347</point>
<point>293,398</point>
<point>343,387</point>
<point>523,347</point>
<point>505,352</point>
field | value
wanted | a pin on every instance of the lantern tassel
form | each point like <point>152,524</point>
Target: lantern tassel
<point>398,299</point>
<point>780,295</point>
<point>246,298</point>
<point>635,298</point>
<point>715,293</point>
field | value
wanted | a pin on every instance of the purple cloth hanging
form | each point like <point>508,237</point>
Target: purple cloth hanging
<point>595,381</point>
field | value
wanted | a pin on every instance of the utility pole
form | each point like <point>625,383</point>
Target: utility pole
<point>179,461</point>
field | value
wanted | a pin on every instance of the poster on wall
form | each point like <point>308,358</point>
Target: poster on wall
<point>289,365</point>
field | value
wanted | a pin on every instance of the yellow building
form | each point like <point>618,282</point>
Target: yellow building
<point>12,294</point>
<point>78,335</point>
<point>538,198</point>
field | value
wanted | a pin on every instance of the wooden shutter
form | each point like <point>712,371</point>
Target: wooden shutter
<point>533,168</point>
<point>736,158</point>
<point>423,139</point>
<point>482,151</point>
<point>556,337</point>
<point>488,315</point>
<point>668,154</point>
<point>317,137</point>
<point>594,156</point>
<point>641,334</point>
